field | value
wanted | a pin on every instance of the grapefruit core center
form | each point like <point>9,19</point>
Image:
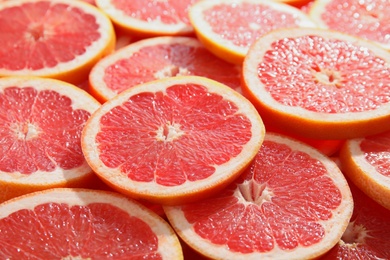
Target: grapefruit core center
<point>171,71</point>
<point>328,77</point>
<point>169,132</point>
<point>25,130</point>
<point>354,234</point>
<point>36,32</point>
<point>254,192</point>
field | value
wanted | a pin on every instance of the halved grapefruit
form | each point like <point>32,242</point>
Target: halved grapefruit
<point>83,224</point>
<point>228,27</point>
<point>52,38</point>
<point>292,202</point>
<point>173,140</point>
<point>319,83</point>
<point>365,19</point>
<point>366,162</point>
<point>40,127</point>
<point>144,18</point>
<point>156,58</point>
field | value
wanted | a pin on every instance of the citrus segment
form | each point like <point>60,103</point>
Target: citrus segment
<point>365,19</point>
<point>58,39</point>
<point>157,58</point>
<point>365,161</point>
<point>319,83</point>
<point>83,224</point>
<point>368,233</point>
<point>228,28</point>
<point>41,122</point>
<point>143,18</point>
<point>292,202</point>
<point>173,140</point>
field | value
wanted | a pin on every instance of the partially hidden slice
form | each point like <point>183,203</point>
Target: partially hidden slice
<point>365,19</point>
<point>319,83</point>
<point>292,202</point>
<point>66,223</point>
<point>53,38</point>
<point>366,162</point>
<point>145,18</point>
<point>157,58</point>
<point>173,140</point>
<point>229,27</point>
<point>40,127</point>
<point>368,233</point>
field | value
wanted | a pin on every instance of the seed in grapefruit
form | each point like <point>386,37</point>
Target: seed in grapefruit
<point>292,202</point>
<point>365,19</point>
<point>228,27</point>
<point>319,83</point>
<point>368,233</point>
<point>66,223</point>
<point>144,18</point>
<point>58,39</point>
<point>366,162</point>
<point>156,58</point>
<point>173,140</point>
<point>40,127</point>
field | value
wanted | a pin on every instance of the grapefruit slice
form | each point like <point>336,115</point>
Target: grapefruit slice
<point>40,127</point>
<point>228,27</point>
<point>292,202</point>
<point>83,224</point>
<point>52,38</point>
<point>319,83</point>
<point>368,233</point>
<point>144,18</point>
<point>157,58</point>
<point>365,161</point>
<point>365,19</point>
<point>173,140</point>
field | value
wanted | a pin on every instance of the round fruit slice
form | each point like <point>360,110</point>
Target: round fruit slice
<point>368,233</point>
<point>228,27</point>
<point>319,83</point>
<point>52,38</point>
<point>83,224</point>
<point>292,202</point>
<point>365,19</point>
<point>366,162</point>
<point>40,127</point>
<point>173,140</point>
<point>157,58</point>
<point>144,18</point>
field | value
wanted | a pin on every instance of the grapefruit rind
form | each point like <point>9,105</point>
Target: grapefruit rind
<point>334,227</point>
<point>298,120</point>
<point>188,191</point>
<point>169,245</point>
<point>224,48</point>
<point>363,174</point>
<point>15,183</point>
<point>76,70</point>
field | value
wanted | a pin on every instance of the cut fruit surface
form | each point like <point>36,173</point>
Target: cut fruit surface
<point>156,58</point>
<point>173,140</point>
<point>228,28</point>
<point>83,224</point>
<point>368,233</point>
<point>292,202</point>
<point>58,39</point>
<point>40,127</point>
<point>366,162</point>
<point>144,18</point>
<point>319,83</point>
<point>365,19</point>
